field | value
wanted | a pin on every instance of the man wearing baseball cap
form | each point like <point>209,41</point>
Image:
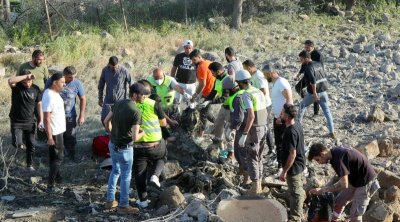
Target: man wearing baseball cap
<point>183,70</point>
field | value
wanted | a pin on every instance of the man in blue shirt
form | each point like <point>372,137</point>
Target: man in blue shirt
<point>73,88</point>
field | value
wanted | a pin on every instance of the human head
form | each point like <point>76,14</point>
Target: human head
<point>230,54</point>
<point>309,45</point>
<point>113,62</point>
<point>69,73</point>
<point>57,82</point>
<point>37,57</point>
<point>249,66</point>
<point>288,113</point>
<point>147,85</point>
<point>242,77</point>
<point>195,56</point>
<point>230,85</point>
<point>305,57</point>
<point>320,153</point>
<point>27,83</point>
<point>216,69</point>
<point>269,72</point>
<point>138,92</point>
<point>188,46</point>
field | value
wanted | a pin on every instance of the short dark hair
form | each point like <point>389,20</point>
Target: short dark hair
<point>316,150</point>
<point>138,88</point>
<point>37,53</point>
<point>215,66</point>
<point>195,53</point>
<point>56,76</point>
<point>69,70</point>
<point>249,63</point>
<point>113,60</point>
<point>290,110</point>
<point>304,54</point>
<point>230,51</point>
<point>144,82</point>
<point>309,42</point>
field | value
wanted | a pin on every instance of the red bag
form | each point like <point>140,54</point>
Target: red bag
<point>100,146</point>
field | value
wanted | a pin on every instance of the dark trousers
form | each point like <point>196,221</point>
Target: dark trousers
<point>278,133</point>
<point>69,137</point>
<point>268,134</point>
<point>23,135</point>
<point>148,161</point>
<point>205,115</point>
<point>56,156</point>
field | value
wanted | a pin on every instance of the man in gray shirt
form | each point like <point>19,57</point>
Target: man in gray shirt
<point>234,64</point>
<point>118,80</point>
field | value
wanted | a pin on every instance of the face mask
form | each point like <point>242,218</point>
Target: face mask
<point>159,81</point>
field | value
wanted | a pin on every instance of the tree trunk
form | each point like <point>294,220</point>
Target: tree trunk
<point>7,10</point>
<point>237,14</point>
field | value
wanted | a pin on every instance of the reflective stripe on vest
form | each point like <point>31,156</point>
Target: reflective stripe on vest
<point>218,85</point>
<point>166,95</point>
<point>150,123</point>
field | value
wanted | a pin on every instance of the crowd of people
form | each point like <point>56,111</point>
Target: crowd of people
<point>138,115</point>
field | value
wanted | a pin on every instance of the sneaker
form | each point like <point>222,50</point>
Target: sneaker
<point>53,189</point>
<point>128,210</point>
<point>30,168</point>
<point>142,204</point>
<point>111,204</point>
<point>154,179</point>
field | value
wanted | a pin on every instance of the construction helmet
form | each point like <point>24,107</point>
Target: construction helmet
<point>242,75</point>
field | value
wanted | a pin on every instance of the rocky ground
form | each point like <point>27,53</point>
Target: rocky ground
<point>364,91</point>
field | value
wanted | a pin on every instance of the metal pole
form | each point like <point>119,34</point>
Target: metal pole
<point>48,19</point>
<point>123,13</point>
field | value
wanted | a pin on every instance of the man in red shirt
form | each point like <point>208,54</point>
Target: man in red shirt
<point>206,84</point>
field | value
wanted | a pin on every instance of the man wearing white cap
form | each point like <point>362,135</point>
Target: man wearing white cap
<point>184,71</point>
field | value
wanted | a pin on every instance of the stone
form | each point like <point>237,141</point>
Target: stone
<point>2,71</point>
<point>126,52</point>
<point>129,65</point>
<point>35,180</point>
<point>272,182</point>
<point>197,210</point>
<point>163,210</point>
<point>371,49</point>
<point>384,37</point>
<point>304,17</point>
<point>344,53</point>
<point>391,115</point>
<point>386,68</point>
<point>370,150</point>
<point>385,147</point>
<point>353,58</point>
<point>387,179</point>
<point>396,91</point>
<point>358,48</point>
<point>382,213</point>
<point>77,33</point>
<point>172,169</point>
<point>376,114</point>
<point>78,197</point>
<point>106,35</point>
<point>396,58</point>
<point>53,69</point>
<point>362,39</point>
<point>30,212</point>
<point>392,194</point>
<point>215,218</point>
<point>172,197</point>
<point>8,198</point>
<point>251,209</point>
<point>385,17</point>
<point>212,56</point>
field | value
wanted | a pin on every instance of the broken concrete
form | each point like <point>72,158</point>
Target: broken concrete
<point>172,197</point>
<point>370,150</point>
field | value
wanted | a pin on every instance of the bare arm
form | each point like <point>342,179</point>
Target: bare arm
<point>107,122</point>
<point>287,93</point>
<point>250,120</point>
<point>179,89</point>
<point>343,183</point>
<point>12,82</point>
<point>173,71</point>
<point>82,109</point>
<point>163,122</point>
<point>47,127</point>
<point>39,110</point>
<point>136,133</point>
<point>290,160</point>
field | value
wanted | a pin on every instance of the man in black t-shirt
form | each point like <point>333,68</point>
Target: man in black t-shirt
<point>184,71</point>
<point>357,181</point>
<point>294,161</point>
<point>25,98</point>
<point>317,86</point>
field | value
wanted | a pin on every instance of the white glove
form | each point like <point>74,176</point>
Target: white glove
<point>242,140</point>
<point>229,134</point>
<point>187,96</point>
<point>204,104</point>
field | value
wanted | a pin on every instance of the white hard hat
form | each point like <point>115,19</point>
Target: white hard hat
<point>107,163</point>
<point>242,75</point>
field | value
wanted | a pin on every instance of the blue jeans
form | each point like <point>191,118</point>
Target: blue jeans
<point>323,102</point>
<point>122,160</point>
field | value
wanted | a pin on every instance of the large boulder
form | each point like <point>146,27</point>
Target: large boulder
<point>172,197</point>
<point>388,179</point>
<point>370,150</point>
<point>385,147</point>
<point>376,114</point>
<point>196,209</point>
<point>172,169</point>
<point>392,194</point>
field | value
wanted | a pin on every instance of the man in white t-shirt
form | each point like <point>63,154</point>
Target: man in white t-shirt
<point>281,93</point>
<point>55,125</point>
<point>258,80</point>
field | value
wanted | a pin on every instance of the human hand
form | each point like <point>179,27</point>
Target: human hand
<point>174,122</point>
<point>229,134</point>
<point>204,104</point>
<point>51,142</point>
<point>242,140</point>
<point>316,97</point>
<point>81,120</point>
<point>30,76</point>
<point>316,191</point>
<point>282,177</point>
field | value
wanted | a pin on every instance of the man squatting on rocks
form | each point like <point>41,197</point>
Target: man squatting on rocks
<point>248,119</point>
<point>294,161</point>
<point>123,122</point>
<point>357,178</point>
<point>54,124</point>
<point>117,80</point>
<point>25,96</point>
<point>73,88</point>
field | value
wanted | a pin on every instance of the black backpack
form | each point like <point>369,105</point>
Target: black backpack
<point>320,207</point>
